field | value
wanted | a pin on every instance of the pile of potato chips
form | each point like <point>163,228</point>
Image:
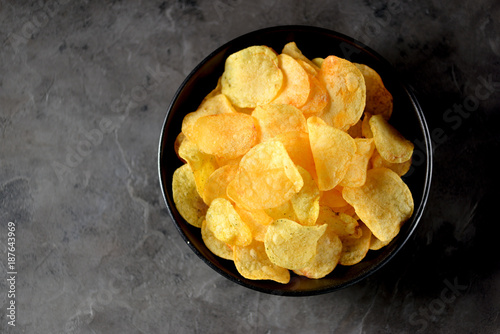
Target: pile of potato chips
<point>291,164</point>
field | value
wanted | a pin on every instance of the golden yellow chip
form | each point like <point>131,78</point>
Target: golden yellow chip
<point>217,182</point>
<point>226,225</point>
<point>217,90</point>
<point>299,149</point>
<point>217,104</point>
<point>291,245</point>
<point>327,256</point>
<point>343,225</point>
<point>247,111</point>
<point>400,168</point>
<point>225,135</point>
<point>378,98</point>
<point>256,220</point>
<point>296,84</point>
<point>346,86</point>
<point>356,131</point>
<point>376,244</point>
<point>202,164</point>
<point>252,77</point>
<point>177,144</point>
<point>252,262</point>
<point>186,198</point>
<point>305,203</point>
<point>318,61</point>
<point>354,249</point>
<point>391,145</point>
<point>284,210</point>
<point>356,173</point>
<point>318,98</point>
<point>266,178</point>
<point>332,151</point>
<point>365,126</point>
<point>383,203</point>
<point>309,67</point>
<point>274,119</point>
<point>348,210</point>
<point>219,248</point>
<point>222,161</point>
<point>333,198</point>
<point>292,50</point>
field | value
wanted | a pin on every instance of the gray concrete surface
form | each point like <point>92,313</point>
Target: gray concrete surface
<point>84,86</point>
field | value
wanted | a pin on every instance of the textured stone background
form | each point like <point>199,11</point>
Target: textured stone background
<point>84,86</point>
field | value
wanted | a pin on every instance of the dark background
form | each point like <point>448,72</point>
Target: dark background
<point>84,87</point>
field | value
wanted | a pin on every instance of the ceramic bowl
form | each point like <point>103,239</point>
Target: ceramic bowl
<point>407,117</point>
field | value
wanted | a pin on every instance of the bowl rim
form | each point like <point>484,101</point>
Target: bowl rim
<point>427,148</point>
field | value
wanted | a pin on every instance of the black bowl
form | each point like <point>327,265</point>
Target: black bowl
<point>314,42</point>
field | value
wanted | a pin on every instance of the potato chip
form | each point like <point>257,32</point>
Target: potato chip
<point>296,84</point>
<point>217,90</point>
<point>366,131</point>
<point>177,144</point>
<point>346,86</point>
<point>256,220</point>
<point>222,161</point>
<point>299,149</point>
<point>355,249</point>
<point>383,203</point>
<point>266,178</point>
<point>391,145</point>
<point>356,173</point>
<point>217,182</point>
<point>292,50</point>
<point>376,244</point>
<point>400,168</point>
<point>333,198</point>
<point>356,131</point>
<point>318,98</point>
<point>327,256</point>
<point>343,225</point>
<point>305,203</point>
<point>186,198</point>
<point>332,151</point>
<point>247,111</point>
<point>252,77</point>
<point>202,164</point>
<point>226,225</point>
<point>217,104</point>
<point>219,248</point>
<point>291,245</point>
<point>378,98</point>
<point>309,67</point>
<point>253,263</point>
<point>283,211</point>
<point>348,210</point>
<point>226,135</point>
<point>318,61</point>
<point>352,226</point>
<point>274,119</point>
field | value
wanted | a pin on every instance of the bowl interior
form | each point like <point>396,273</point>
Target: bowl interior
<point>314,42</point>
